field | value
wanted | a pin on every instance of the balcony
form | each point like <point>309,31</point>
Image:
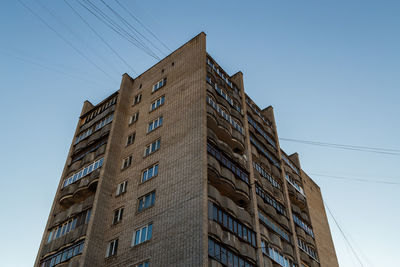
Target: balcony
<point>225,202</point>
<point>75,209</point>
<point>225,131</point>
<point>226,182</point>
<point>65,240</point>
<point>226,149</point>
<point>80,190</point>
<point>231,240</point>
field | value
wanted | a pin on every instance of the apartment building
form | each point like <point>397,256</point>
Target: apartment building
<point>180,167</point>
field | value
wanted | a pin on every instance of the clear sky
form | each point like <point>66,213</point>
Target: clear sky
<point>330,69</point>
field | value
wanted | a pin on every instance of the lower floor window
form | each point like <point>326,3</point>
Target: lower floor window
<point>63,255</point>
<point>112,248</point>
<point>143,234</point>
<point>143,264</point>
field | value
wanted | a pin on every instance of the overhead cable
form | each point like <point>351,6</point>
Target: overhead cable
<point>395,152</point>
<point>65,40</point>
<point>100,37</point>
<point>142,24</point>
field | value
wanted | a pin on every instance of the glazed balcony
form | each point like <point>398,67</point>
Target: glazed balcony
<point>80,190</point>
<point>75,209</point>
<point>225,130</point>
<point>231,240</point>
<point>94,137</point>
<point>297,198</point>
<point>97,118</point>
<point>227,183</point>
<point>227,149</point>
<point>227,203</point>
<point>65,240</point>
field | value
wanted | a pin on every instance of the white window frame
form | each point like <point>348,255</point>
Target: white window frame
<point>112,248</point>
<point>159,84</point>
<point>150,147</point>
<point>131,136</point>
<point>157,103</point>
<point>134,118</point>
<point>127,162</point>
<point>121,188</point>
<point>137,99</point>
<point>155,124</point>
<point>117,215</point>
<point>155,167</point>
<point>141,232</point>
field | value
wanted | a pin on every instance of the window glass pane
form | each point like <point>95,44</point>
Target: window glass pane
<point>137,236</point>
<point>217,251</point>
<point>149,231</point>
<point>215,213</point>
<point>230,259</point>
<point>210,248</point>
<point>223,255</point>
<point>147,201</point>
<point>225,216</point>
<point>155,169</point>
<point>144,233</point>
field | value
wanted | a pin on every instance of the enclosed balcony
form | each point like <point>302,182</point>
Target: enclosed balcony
<point>80,190</point>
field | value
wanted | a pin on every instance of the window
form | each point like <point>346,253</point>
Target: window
<point>147,201</point>
<point>134,118</point>
<point>274,226</point>
<point>100,109</point>
<point>82,173</point>
<point>121,188</point>
<point>104,122</point>
<point>226,256</point>
<point>154,124</point>
<point>152,147</point>
<point>112,248</point>
<point>235,124</point>
<point>64,255</point>
<point>69,225</point>
<point>231,224</point>
<point>159,84</point>
<point>260,131</point>
<point>142,234</point>
<point>266,175</point>
<point>295,184</point>
<point>137,99</point>
<point>127,162</point>
<point>83,135</point>
<point>270,200</point>
<point>303,225</point>
<point>157,103</point>
<point>130,139</point>
<point>307,249</point>
<point>276,255</point>
<point>118,215</point>
<point>149,172</point>
<point>143,264</point>
<point>236,170</point>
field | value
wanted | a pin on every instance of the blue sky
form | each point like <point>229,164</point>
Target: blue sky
<point>327,67</point>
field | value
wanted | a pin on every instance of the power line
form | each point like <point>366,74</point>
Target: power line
<point>30,61</point>
<point>395,152</point>
<point>144,26</point>
<point>103,17</point>
<point>57,18</point>
<point>64,39</point>
<point>101,38</point>
<point>343,234</point>
<point>355,179</point>
<point>130,26</point>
